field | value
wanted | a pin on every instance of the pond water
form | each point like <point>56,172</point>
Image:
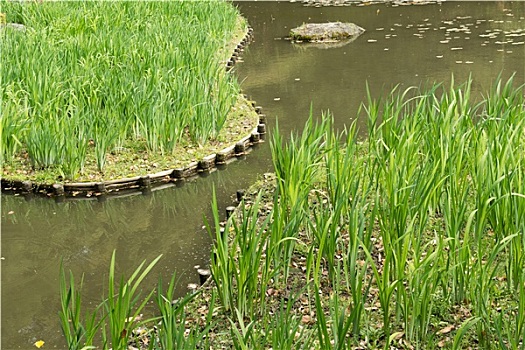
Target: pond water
<point>405,45</point>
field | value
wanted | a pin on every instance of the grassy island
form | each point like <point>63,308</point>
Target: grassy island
<point>100,90</point>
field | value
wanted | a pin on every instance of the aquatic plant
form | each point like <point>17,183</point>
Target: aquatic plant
<point>113,320</point>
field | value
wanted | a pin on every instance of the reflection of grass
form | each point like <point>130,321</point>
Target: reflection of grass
<point>115,88</point>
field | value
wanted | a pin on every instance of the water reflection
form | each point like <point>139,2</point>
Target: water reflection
<point>38,234</point>
<point>402,45</point>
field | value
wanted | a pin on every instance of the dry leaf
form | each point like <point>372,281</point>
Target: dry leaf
<point>307,319</point>
<point>397,336</point>
<point>446,330</point>
<point>39,343</point>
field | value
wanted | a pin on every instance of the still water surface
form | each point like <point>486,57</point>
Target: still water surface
<point>405,45</point>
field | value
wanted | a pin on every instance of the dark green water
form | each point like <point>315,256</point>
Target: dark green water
<point>406,45</point>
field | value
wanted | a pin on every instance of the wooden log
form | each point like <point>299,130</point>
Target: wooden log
<point>100,188</point>
<point>27,187</point>
<point>261,128</point>
<point>123,181</point>
<point>204,274</point>
<point>240,195</point>
<point>229,211</point>
<point>145,182</point>
<point>145,185</point>
<point>246,139</point>
<point>207,162</point>
<point>58,190</point>
<point>192,287</point>
<point>80,186</point>
<point>225,154</point>
<point>122,186</point>
<point>255,138</point>
<point>161,175</point>
<point>191,170</point>
<point>177,173</point>
<point>240,148</point>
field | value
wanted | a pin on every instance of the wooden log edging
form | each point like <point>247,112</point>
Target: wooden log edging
<point>204,273</point>
<point>140,183</point>
<point>235,57</point>
<point>147,183</point>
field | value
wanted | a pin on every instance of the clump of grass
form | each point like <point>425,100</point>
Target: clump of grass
<point>116,323</point>
<point>106,73</point>
<point>113,320</point>
<point>426,212</point>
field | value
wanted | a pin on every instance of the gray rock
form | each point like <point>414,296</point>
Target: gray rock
<point>323,32</point>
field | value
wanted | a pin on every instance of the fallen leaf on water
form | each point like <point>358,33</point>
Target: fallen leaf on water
<point>39,343</point>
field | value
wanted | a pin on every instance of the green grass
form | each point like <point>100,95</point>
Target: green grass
<point>414,235</point>
<point>86,82</point>
<point>410,239</point>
